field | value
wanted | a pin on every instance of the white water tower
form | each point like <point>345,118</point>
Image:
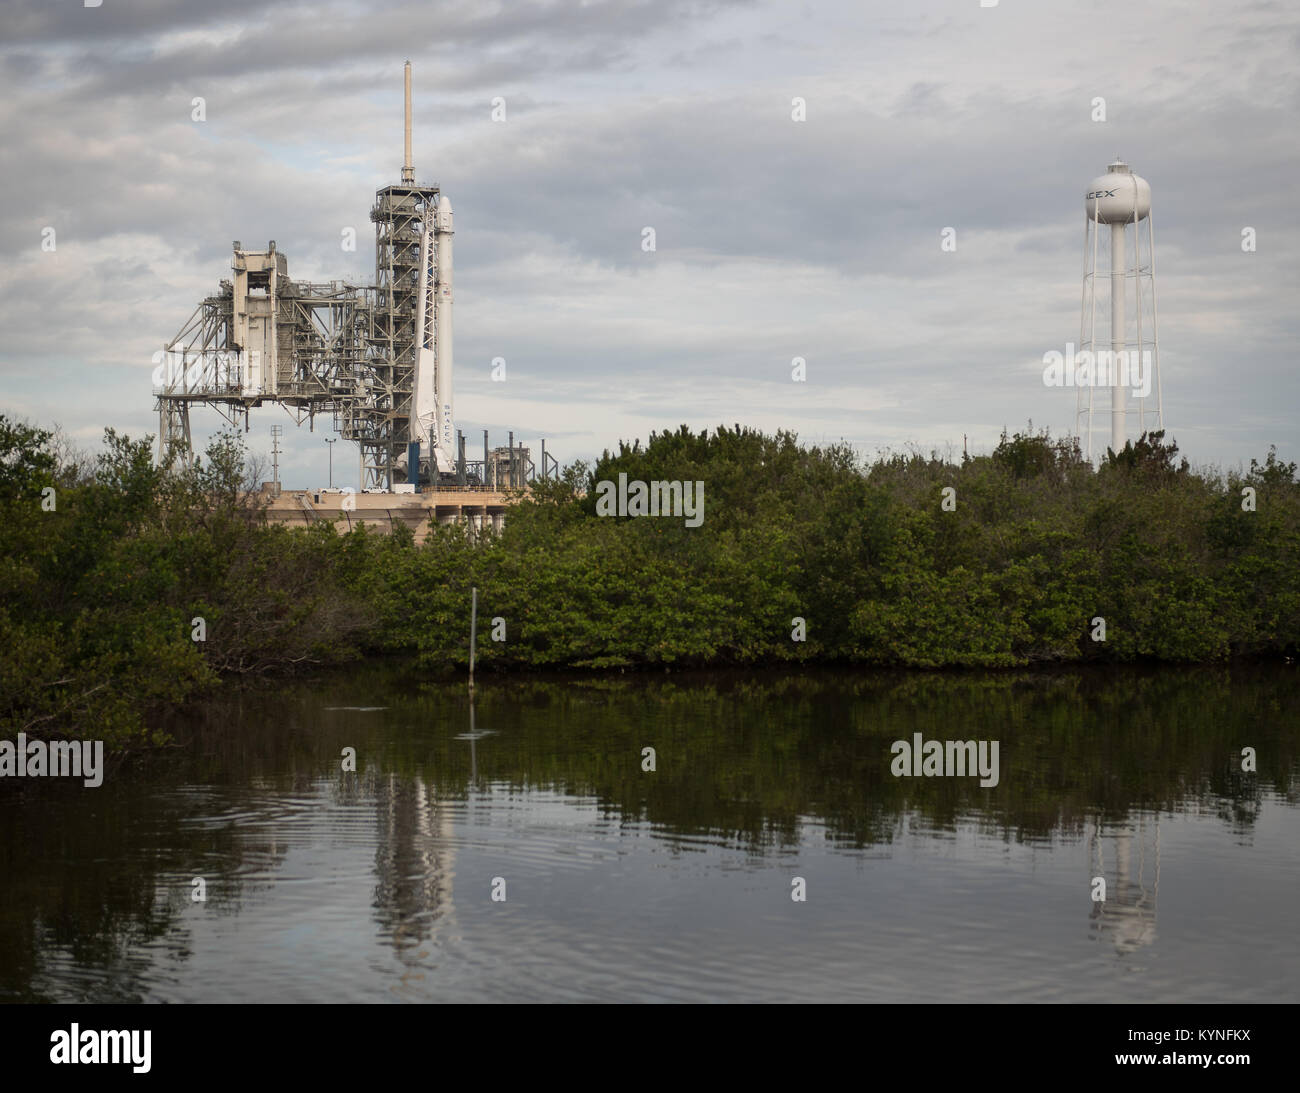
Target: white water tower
<point>1130,358</point>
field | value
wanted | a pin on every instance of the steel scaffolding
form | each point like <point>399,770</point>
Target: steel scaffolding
<point>327,348</point>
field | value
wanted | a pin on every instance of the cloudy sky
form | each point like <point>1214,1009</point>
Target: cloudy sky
<point>775,238</point>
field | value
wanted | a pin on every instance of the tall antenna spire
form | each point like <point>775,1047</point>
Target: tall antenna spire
<point>408,172</point>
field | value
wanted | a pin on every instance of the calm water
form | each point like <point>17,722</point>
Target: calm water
<point>676,885</point>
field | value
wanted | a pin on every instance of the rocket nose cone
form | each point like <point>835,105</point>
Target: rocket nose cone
<point>444,204</point>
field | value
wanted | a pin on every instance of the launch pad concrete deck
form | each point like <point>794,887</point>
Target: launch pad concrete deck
<point>384,511</point>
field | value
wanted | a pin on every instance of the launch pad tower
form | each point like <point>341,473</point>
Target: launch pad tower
<point>377,358</point>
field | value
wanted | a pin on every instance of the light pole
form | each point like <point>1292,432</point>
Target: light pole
<point>331,441</point>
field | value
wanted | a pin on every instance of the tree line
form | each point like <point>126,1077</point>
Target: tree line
<point>804,554</point>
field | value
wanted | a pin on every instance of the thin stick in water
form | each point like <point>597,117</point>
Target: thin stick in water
<point>473,633</point>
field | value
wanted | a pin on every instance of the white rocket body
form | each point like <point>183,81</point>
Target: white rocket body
<point>432,411</point>
<point>443,435</point>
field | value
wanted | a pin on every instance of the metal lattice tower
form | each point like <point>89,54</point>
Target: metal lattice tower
<point>379,418</point>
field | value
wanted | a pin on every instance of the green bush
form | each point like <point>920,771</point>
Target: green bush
<point>99,594</point>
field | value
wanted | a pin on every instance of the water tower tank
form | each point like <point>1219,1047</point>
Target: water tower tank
<point>1118,197</point>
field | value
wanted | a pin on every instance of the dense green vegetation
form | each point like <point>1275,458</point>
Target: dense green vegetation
<point>103,577</point>
<point>105,565</point>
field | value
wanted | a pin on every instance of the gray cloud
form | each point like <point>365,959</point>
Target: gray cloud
<point>775,239</point>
